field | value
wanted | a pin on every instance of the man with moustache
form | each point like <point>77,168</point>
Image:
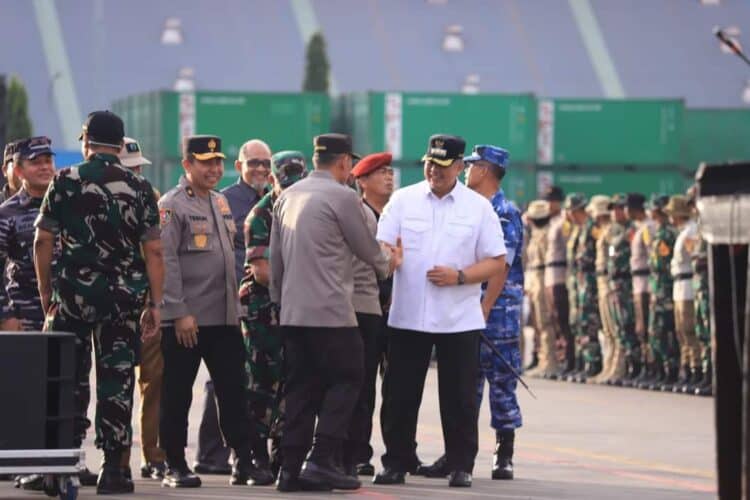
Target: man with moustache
<point>201,315</point>
<point>452,242</point>
<point>254,165</point>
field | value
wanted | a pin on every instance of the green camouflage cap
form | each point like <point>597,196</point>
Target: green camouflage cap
<point>288,167</point>
<point>618,200</point>
<point>575,201</point>
<point>658,201</point>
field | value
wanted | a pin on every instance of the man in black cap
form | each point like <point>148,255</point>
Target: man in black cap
<point>452,242</point>
<point>11,182</point>
<point>110,273</point>
<point>201,315</point>
<point>318,227</point>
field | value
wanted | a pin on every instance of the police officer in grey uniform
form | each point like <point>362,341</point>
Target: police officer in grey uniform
<point>201,314</point>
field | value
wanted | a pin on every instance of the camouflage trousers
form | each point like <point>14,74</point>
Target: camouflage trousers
<point>504,335</point>
<point>661,332</point>
<point>703,327</point>
<point>622,311</point>
<point>115,353</point>
<point>588,321</point>
<point>263,365</point>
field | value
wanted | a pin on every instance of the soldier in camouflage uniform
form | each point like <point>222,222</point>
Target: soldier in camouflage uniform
<point>627,347</point>
<point>598,210</point>
<point>574,212</point>
<point>661,328</point>
<point>7,172</point>
<point>259,319</point>
<point>20,308</point>
<point>588,320</point>
<point>702,314</point>
<point>108,223</point>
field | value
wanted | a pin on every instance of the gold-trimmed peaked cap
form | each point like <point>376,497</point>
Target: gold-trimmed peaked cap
<point>335,144</point>
<point>443,149</point>
<point>202,147</point>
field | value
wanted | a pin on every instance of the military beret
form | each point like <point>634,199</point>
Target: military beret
<point>372,162</point>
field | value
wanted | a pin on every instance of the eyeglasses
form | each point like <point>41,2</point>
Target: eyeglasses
<point>257,162</point>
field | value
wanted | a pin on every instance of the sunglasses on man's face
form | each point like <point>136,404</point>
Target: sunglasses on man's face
<point>257,162</point>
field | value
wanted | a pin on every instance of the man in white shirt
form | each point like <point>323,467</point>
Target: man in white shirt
<point>452,242</point>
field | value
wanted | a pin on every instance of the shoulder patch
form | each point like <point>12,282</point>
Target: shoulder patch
<point>223,205</point>
<point>646,236</point>
<point>165,215</point>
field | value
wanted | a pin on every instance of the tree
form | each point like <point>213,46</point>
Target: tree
<point>19,123</point>
<point>317,68</point>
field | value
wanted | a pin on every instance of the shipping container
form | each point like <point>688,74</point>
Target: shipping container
<point>715,136</point>
<point>609,132</point>
<point>401,122</point>
<point>158,120</point>
<point>611,180</point>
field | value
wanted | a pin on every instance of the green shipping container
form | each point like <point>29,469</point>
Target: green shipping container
<point>609,132</point>
<point>609,181</point>
<point>401,122</point>
<point>159,120</point>
<point>715,136</point>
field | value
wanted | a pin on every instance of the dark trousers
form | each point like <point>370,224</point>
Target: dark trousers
<point>557,297</point>
<point>324,371</point>
<point>211,449</point>
<point>357,447</point>
<point>408,359</point>
<point>220,347</point>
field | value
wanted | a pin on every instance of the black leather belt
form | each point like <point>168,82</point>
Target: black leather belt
<point>683,276</point>
<point>602,273</point>
<point>641,272</point>
<point>537,268</point>
<point>557,263</point>
<point>621,276</point>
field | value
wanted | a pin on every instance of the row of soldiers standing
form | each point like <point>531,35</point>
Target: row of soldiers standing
<point>618,288</point>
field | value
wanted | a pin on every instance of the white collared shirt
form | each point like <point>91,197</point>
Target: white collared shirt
<point>457,230</point>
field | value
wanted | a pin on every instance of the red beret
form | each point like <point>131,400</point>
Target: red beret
<point>371,163</point>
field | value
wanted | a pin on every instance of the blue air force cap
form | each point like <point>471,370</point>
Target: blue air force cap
<point>493,154</point>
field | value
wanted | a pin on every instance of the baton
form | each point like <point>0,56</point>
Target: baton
<point>494,349</point>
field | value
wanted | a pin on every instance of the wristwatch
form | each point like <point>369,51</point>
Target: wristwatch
<point>153,305</point>
<point>461,277</point>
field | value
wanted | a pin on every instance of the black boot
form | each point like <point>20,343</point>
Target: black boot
<point>534,362</point>
<point>658,378</point>
<point>683,379</point>
<point>643,381</point>
<point>577,371</point>
<point>245,470</point>
<point>706,386</point>
<point>670,379</point>
<point>696,376</point>
<point>112,479</point>
<point>502,467</point>
<point>178,474</point>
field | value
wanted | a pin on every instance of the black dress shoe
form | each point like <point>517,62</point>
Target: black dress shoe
<point>219,470</point>
<point>439,468</point>
<point>87,478</point>
<point>327,474</point>
<point>153,470</point>
<point>459,479</point>
<point>366,469</point>
<point>288,482</point>
<point>112,481</point>
<point>246,472</point>
<point>351,470</point>
<point>32,482</point>
<point>180,476</point>
<point>389,476</point>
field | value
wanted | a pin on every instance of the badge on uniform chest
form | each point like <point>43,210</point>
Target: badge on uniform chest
<point>200,240</point>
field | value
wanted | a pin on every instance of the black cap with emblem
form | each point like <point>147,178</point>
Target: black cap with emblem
<point>10,149</point>
<point>202,147</point>
<point>103,128</point>
<point>334,144</point>
<point>443,149</point>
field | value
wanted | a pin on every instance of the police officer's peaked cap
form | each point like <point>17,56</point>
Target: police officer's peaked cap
<point>443,149</point>
<point>334,144</point>
<point>202,147</point>
<point>103,128</point>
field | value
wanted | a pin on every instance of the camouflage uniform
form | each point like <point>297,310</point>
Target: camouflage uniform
<point>571,249</point>
<point>504,326</point>
<point>661,329</point>
<point>259,322</point>
<point>102,213</point>
<point>621,294</point>
<point>702,303</point>
<point>19,298</point>
<point>589,322</point>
